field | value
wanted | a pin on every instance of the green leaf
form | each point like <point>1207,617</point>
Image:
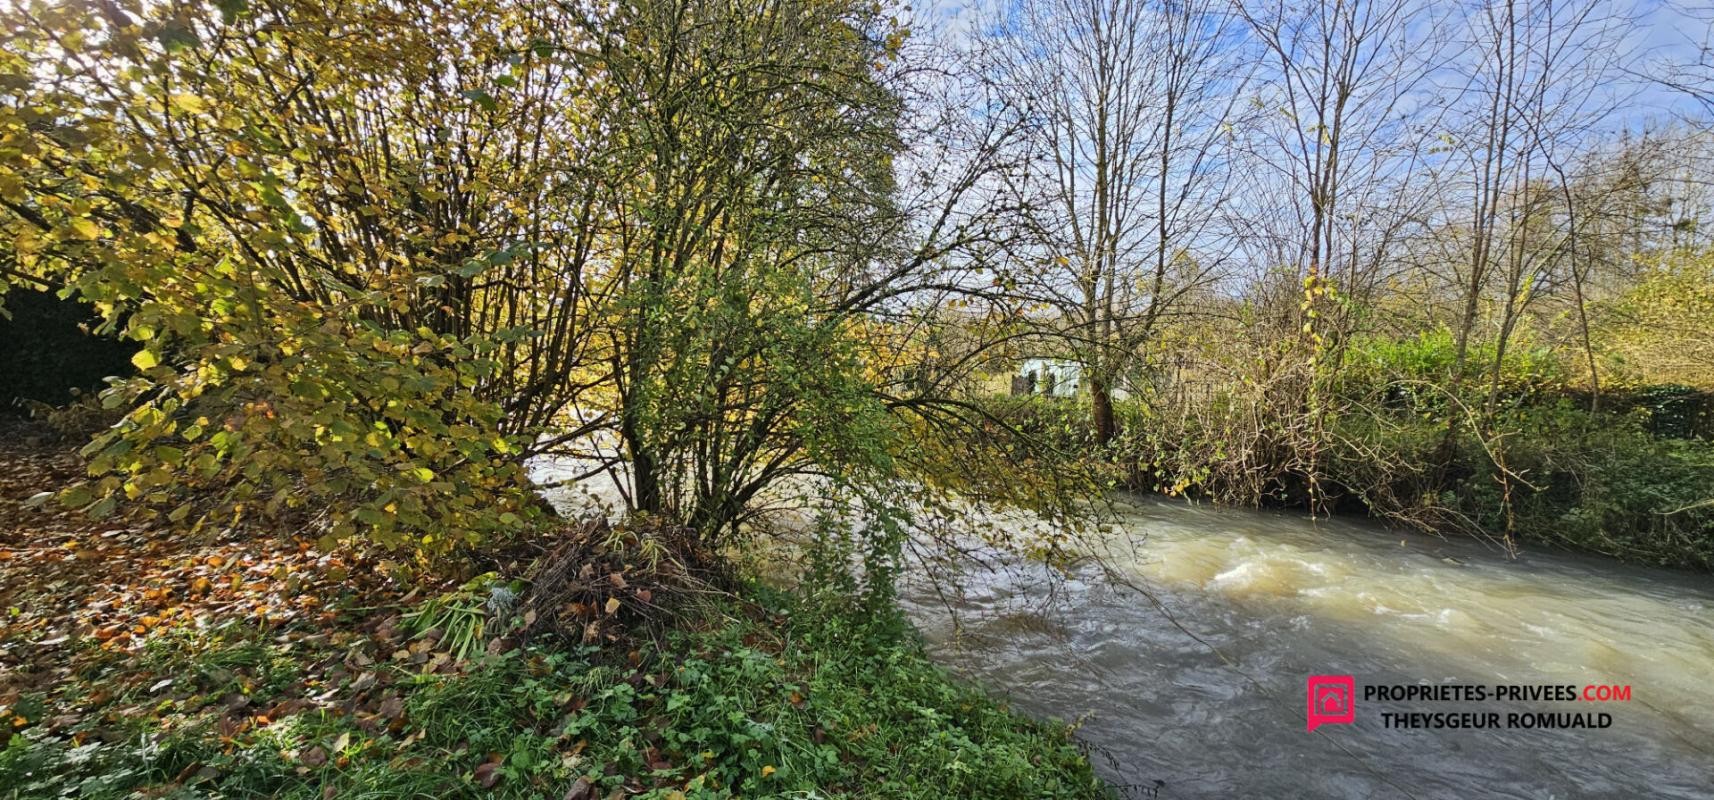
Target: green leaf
<point>231,10</point>
<point>104,507</point>
<point>176,36</point>
<point>482,98</point>
<point>76,496</point>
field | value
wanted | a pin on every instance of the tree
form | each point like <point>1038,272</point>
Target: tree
<point>765,237</point>
<point>1126,106</point>
<point>1526,115</point>
<point>1330,169</point>
<point>1661,329</point>
<point>355,261</point>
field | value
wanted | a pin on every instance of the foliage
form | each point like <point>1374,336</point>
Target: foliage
<point>851,707</point>
<point>460,619</point>
<point>755,267</point>
<point>1602,483</point>
<point>1608,485</point>
<point>1631,481</point>
<point>376,257</point>
<point>1505,444</point>
<point>244,668</point>
<point>317,273</point>
<point>1430,359</point>
<point>1672,410</point>
<point>1657,330</point>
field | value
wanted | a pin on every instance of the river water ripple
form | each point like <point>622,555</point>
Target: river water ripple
<point>1214,705</point>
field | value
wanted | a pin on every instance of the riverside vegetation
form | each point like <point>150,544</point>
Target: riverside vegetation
<point>1631,480</point>
<point>143,663</point>
<point>378,256</point>
<point>762,265</point>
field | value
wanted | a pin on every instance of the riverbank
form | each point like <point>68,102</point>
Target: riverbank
<point>144,658</point>
<point>1633,482</point>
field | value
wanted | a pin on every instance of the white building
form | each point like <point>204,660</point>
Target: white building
<point>1050,377</point>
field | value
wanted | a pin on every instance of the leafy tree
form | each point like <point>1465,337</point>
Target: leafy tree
<point>340,230</point>
<point>380,254</point>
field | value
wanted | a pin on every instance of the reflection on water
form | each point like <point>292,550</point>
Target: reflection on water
<point>1213,706</point>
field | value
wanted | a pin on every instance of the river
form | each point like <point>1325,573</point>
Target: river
<point>1183,650</point>
<point>1200,692</point>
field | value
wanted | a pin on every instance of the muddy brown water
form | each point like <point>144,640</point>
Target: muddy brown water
<point>1199,692</point>
<point>1182,645</point>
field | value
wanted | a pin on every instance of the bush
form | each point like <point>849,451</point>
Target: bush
<point>1596,482</point>
<point>1632,481</point>
<point>1608,485</point>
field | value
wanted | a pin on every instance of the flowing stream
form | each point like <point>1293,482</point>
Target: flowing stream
<point>1183,650</point>
<point>1200,691</point>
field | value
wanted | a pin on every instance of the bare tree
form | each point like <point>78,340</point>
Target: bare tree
<point>1530,108</point>
<point>1689,69</point>
<point>1328,163</point>
<point>1126,103</point>
<point>1340,88</point>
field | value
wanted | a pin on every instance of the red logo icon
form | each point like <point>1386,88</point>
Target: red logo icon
<point>1331,700</point>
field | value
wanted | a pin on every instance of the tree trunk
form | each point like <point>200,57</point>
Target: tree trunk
<point>1105,425</point>
<point>645,474</point>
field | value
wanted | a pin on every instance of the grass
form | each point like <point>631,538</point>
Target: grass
<point>769,696</point>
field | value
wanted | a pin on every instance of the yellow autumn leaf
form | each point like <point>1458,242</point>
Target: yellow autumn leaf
<point>189,103</point>
<point>144,359</point>
<point>612,606</point>
<point>85,228</point>
<point>768,770</point>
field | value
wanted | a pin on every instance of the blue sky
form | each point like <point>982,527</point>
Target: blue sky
<point>1665,31</point>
